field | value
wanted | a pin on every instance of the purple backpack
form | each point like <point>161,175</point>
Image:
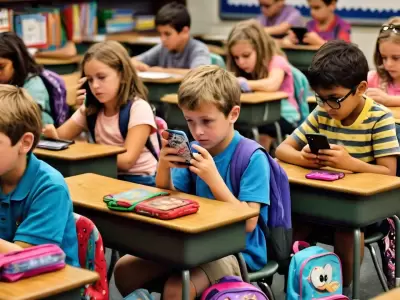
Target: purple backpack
<point>232,287</point>
<point>278,231</point>
<point>55,86</point>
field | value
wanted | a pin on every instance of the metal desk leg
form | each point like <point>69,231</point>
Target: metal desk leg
<point>278,132</point>
<point>256,134</point>
<point>185,285</point>
<point>397,267</point>
<point>356,264</point>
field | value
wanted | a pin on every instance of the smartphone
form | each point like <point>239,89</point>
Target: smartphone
<point>317,142</point>
<point>300,33</point>
<point>54,144</point>
<point>177,139</point>
<point>325,175</point>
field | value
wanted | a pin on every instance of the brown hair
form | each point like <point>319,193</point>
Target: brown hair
<point>384,36</point>
<point>114,55</point>
<point>209,84</point>
<point>264,45</point>
<point>19,114</point>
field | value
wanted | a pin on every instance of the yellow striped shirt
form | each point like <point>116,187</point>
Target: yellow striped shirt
<point>372,135</point>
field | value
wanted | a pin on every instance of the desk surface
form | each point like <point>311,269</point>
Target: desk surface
<point>59,61</point>
<point>363,184</point>
<point>88,190</point>
<point>300,47</point>
<point>48,284</point>
<point>311,99</point>
<point>396,113</point>
<point>134,38</point>
<point>175,78</point>
<point>80,151</point>
<point>247,98</point>
<point>391,295</point>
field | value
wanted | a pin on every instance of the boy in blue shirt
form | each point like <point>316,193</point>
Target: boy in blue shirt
<point>35,206</point>
<point>209,98</point>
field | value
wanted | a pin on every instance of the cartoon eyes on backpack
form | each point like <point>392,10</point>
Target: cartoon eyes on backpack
<point>321,279</point>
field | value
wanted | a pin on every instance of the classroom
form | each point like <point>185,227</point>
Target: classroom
<point>199,149</point>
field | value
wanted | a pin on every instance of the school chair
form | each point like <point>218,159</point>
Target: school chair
<point>217,59</point>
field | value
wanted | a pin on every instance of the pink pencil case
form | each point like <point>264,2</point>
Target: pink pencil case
<point>30,262</point>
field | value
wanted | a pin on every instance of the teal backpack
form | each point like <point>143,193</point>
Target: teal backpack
<point>301,88</point>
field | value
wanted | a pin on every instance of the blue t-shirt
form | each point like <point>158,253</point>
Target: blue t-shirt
<point>39,210</point>
<point>254,187</point>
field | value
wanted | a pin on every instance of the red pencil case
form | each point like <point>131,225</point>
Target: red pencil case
<point>167,207</point>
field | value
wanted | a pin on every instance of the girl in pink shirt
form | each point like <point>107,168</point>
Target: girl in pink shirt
<point>384,83</point>
<point>260,65</point>
<point>112,83</point>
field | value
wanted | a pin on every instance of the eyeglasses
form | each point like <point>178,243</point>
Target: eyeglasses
<point>395,28</point>
<point>332,102</point>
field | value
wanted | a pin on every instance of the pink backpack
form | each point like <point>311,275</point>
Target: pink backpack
<point>232,287</point>
<point>31,261</point>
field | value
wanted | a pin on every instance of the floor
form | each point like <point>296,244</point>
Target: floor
<point>370,285</point>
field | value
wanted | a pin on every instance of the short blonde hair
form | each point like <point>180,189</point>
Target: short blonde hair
<point>19,114</point>
<point>209,84</point>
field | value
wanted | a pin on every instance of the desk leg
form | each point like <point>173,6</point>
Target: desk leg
<point>185,285</point>
<point>356,264</point>
<point>256,134</point>
<point>397,266</point>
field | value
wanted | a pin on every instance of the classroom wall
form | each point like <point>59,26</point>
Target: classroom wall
<point>205,19</point>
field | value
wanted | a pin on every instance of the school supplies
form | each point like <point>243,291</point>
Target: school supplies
<point>31,261</point>
<point>325,175</point>
<point>314,273</point>
<point>154,75</point>
<point>126,201</point>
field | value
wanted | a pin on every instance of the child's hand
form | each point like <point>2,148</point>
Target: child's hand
<point>203,165</point>
<point>81,93</point>
<point>337,157</point>
<point>50,131</point>
<point>168,157</point>
<point>310,160</point>
<point>313,38</point>
<point>290,39</point>
<point>378,95</point>
<point>244,85</point>
<point>139,66</point>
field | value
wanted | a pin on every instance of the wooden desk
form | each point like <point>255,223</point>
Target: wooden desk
<point>312,102</point>
<point>82,158</point>
<point>353,202</point>
<point>391,295</point>
<point>215,231</point>
<point>396,113</point>
<point>257,109</point>
<point>71,82</point>
<point>300,56</point>
<point>61,66</point>
<point>136,42</point>
<point>64,284</point>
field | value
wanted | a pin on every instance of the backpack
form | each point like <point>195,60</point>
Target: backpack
<point>314,273</point>
<point>389,254</point>
<point>91,257</point>
<point>232,287</point>
<point>301,88</point>
<point>55,86</point>
<point>278,231</point>
<point>124,115</point>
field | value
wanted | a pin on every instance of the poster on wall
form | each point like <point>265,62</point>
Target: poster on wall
<point>356,11</point>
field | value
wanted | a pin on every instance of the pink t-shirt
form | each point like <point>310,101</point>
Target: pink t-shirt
<point>289,108</point>
<point>375,82</point>
<point>107,132</point>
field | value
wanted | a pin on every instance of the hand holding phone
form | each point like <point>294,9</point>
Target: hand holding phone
<point>317,142</point>
<point>178,140</point>
<point>300,33</point>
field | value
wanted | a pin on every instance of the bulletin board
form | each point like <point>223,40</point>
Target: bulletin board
<point>356,11</point>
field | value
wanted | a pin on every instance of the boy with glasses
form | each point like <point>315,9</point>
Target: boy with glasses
<point>361,133</point>
<point>278,18</point>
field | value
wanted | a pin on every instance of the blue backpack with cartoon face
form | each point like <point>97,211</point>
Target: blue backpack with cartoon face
<point>314,273</point>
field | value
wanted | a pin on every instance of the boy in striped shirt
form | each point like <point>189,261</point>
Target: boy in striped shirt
<point>361,133</point>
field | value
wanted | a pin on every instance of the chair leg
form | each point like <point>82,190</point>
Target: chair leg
<point>267,290</point>
<point>113,261</point>
<point>378,269</point>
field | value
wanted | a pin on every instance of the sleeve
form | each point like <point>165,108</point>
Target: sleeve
<point>384,138</point>
<point>373,79</point>
<point>344,32</point>
<point>200,56</point>
<point>140,114</point>
<point>79,117</point>
<point>295,19</point>
<point>38,92</point>
<point>279,62</point>
<point>47,217</point>
<point>254,185</point>
<point>310,125</point>
<point>183,180</point>
<point>151,56</point>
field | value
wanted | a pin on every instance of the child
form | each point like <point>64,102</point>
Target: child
<point>113,82</point>
<point>345,116</point>
<point>209,98</point>
<point>277,17</point>
<point>19,68</point>
<point>325,24</point>
<point>178,51</point>
<point>384,83</point>
<point>35,204</point>
<point>260,65</point>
